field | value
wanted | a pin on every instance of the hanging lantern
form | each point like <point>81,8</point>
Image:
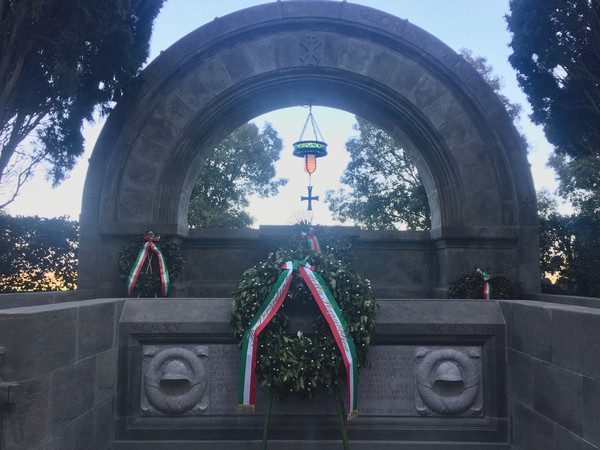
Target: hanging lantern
<point>310,150</point>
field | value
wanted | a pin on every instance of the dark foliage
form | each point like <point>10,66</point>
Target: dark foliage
<point>470,285</point>
<point>556,53</point>
<point>569,248</point>
<point>37,254</point>
<point>59,61</point>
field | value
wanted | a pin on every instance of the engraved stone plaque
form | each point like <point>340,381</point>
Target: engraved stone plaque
<point>174,380</point>
<point>387,389</point>
<point>403,382</point>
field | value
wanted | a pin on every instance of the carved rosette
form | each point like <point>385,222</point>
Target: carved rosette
<point>174,381</point>
<point>448,382</point>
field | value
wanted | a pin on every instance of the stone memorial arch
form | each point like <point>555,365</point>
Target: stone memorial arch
<point>337,54</point>
<point>89,368</point>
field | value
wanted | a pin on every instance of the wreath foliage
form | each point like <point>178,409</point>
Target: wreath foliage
<point>148,283</point>
<point>292,361</point>
<point>470,285</point>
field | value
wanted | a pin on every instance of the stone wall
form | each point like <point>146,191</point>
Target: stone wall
<point>400,264</point>
<point>57,379</point>
<point>553,374</point>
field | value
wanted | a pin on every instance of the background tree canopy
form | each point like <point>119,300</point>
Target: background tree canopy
<point>37,254</point>
<point>556,53</point>
<point>242,165</point>
<point>386,191</point>
<point>59,60</point>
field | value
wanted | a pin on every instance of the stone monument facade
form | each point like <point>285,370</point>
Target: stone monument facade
<point>396,75</point>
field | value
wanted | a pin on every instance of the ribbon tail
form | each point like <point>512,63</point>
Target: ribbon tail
<point>339,328</point>
<point>246,380</point>
<point>137,268</point>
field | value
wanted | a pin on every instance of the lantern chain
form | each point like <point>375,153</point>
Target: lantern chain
<point>315,127</point>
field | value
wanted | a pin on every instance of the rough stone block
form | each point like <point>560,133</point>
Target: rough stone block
<point>591,410</point>
<point>529,330</point>
<point>71,392</point>
<point>96,328</point>
<point>558,395</point>
<point>75,435</point>
<point>27,424</point>
<point>531,431</point>
<point>520,377</point>
<point>575,338</point>
<point>37,340</point>
<point>106,373</point>
<point>564,439</point>
<point>103,426</point>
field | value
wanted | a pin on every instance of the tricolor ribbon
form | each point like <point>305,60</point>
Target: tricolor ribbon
<point>312,239</point>
<point>150,245</point>
<point>333,316</point>
<point>487,288</point>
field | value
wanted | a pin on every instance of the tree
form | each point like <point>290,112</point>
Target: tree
<point>569,247</point>
<point>37,254</point>
<point>556,53</point>
<point>242,165</point>
<point>481,65</point>
<point>60,61</point>
<point>386,191</point>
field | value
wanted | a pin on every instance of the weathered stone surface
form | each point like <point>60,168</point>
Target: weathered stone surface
<point>591,410</point>
<point>570,327</point>
<point>75,435</point>
<point>104,431</point>
<point>71,392</point>
<point>27,422</point>
<point>529,330</point>
<point>37,340</point>
<point>530,430</point>
<point>520,377</point>
<point>563,438</point>
<point>106,376</point>
<point>558,395</point>
<point>96,328</point>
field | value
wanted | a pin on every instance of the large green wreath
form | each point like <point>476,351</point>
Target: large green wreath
<point>148,283</point>
<point>303,361</point>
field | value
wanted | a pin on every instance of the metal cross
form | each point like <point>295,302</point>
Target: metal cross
<point>310,198</point>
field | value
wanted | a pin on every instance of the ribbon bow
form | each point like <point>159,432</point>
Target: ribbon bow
<point>312,239</point>
<point>487,288</point>
<point>150,238</point>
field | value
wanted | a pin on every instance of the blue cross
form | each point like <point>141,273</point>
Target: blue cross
<point>310,198</point>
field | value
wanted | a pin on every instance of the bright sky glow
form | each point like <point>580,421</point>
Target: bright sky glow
<point>473,24</point>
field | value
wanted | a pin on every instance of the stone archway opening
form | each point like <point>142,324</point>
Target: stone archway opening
<point>286,207</point>
<point>334,54</point>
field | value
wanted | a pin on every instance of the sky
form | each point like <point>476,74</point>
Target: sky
<point>477,25</point>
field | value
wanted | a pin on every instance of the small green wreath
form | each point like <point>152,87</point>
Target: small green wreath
<point>303,361</point>
<point>470,285</point>
<point>148,282</point>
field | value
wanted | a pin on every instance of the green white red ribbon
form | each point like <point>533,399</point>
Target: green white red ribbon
<point>338,327</point>
<point>247,381</point>
<point>312,239</point>
<point>487,288</point>
<point>333,316</point>
<point>150,245</point>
